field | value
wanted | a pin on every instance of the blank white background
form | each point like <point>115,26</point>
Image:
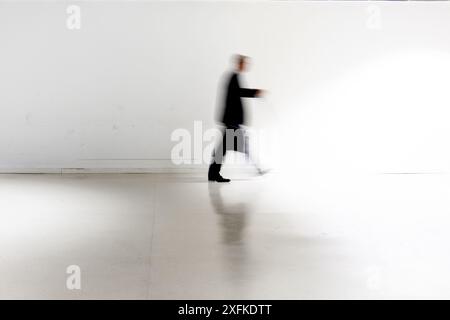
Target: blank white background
<point>342,96</point>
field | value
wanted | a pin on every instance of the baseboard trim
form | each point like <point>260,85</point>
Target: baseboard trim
<point>181,170</point>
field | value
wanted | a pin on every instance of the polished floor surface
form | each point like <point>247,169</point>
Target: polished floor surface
<point>176,236</point>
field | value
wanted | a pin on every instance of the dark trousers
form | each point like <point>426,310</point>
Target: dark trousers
<point>233,138</point>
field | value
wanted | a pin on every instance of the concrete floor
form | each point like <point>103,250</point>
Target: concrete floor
<point>167,236</point>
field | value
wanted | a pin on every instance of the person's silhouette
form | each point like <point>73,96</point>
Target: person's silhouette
<point>234,137</point>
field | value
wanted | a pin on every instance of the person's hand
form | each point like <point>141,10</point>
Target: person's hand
<point>260,93</point>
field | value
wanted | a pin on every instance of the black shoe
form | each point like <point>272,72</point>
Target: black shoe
<point>218,178</point>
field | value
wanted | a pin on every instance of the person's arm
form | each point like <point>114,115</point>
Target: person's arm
<point>248,93</point>
<point>244,92</point>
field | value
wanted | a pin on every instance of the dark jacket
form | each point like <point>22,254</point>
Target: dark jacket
<point>233,112</point>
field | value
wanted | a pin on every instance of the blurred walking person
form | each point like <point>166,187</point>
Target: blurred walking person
<point>233,117</point>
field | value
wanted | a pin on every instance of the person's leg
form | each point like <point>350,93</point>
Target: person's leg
<point>218,157</point>
<point>237,139</point>
<point>249,155</point>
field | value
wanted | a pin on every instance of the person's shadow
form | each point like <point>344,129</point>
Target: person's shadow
<point>233,217</point>
<point>233,220</point>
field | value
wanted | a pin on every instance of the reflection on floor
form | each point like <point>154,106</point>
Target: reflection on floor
<point>167,236</point>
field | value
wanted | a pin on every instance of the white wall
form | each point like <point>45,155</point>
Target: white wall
<point>342,96</point>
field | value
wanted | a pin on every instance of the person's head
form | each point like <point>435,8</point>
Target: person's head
<point>241,62</point>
